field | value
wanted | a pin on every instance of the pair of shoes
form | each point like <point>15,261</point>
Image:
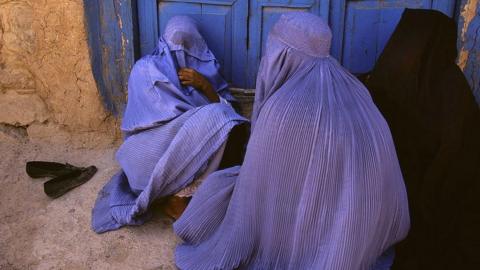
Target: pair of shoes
<point>65,176</point>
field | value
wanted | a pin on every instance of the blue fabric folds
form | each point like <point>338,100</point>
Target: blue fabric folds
<point>171,133</point>
<point>320,186</point>
<point>160,162</point>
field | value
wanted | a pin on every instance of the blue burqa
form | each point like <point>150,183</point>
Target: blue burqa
<point>320,186</point>
<point>172,131</point>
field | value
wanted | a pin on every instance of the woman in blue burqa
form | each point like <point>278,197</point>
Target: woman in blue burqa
<point>320,186</point>
<point>177,125</point>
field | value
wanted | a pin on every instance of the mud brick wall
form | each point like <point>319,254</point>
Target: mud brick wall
<point>46,82</point>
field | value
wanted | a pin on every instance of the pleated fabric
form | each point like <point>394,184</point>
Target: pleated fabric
<point>172,133</point>
<point>320,186</point>
<point>155,95</point>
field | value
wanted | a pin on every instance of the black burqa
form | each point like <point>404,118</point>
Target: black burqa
<point>435,124</point>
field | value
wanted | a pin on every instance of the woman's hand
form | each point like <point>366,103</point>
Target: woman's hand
<point>191,77</point>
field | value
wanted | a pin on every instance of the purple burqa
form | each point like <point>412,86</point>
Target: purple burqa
<point>320,187</point>
<point>172,132</point>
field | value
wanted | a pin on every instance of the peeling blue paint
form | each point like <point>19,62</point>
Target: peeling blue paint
<point>110,27</point>
<point>470,43</point>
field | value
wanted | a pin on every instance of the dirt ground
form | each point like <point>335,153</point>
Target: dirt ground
<point>37,232</point>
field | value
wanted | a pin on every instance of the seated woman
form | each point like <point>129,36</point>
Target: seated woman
<point>173,135</point>
<point>320,186</point>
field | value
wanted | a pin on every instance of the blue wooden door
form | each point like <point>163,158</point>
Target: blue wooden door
<point>361,29</point>
<point>236,30</point>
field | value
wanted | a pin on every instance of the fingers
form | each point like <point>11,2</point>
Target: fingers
<point>188,83</point>
<point>186,79</point>
<point>186,71</point>
<point>189,76</point>
<point>185,76</point>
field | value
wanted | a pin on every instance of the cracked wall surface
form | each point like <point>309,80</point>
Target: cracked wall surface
<point>46,82</point>
<point>469,44</point>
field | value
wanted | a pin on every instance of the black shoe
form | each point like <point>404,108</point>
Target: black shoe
<point>39,169</point>
<point>64,183</point>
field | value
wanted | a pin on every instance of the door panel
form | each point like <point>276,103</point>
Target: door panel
<point>361,29</point>
<point>263,15</point>
<point>222,24</point>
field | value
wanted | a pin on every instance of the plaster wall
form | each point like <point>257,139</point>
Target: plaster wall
<point>46,82</point>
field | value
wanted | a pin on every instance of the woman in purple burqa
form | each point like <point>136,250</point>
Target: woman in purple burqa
<point>176,125</point>
<point>320,186</point>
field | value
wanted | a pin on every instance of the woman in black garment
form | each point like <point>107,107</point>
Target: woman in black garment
<point>435,124</point>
